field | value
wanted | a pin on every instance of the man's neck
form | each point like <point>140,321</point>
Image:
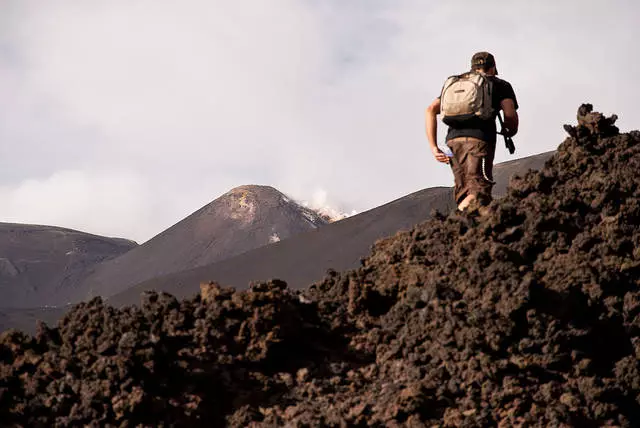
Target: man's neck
<point>486,73</point>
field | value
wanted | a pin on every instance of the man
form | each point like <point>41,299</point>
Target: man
<point>473,143</point>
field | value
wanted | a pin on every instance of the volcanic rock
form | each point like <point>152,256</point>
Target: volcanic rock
<point>527,314</point>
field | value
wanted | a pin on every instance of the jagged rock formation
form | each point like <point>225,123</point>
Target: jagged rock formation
<point>592,123</point>
<point>43,265</point>
<point>527,314</point>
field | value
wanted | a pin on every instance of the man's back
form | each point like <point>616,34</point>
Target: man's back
<point>486,129</point>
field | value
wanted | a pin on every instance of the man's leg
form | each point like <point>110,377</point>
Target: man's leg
<point>479,172</point>
<point>466,202</point>
<point>458,147</point>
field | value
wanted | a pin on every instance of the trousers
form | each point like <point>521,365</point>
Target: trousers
<point>472,166</point>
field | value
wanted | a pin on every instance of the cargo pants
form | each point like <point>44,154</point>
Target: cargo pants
<point>472,165</point>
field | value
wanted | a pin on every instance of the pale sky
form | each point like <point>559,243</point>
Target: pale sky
<point>122,117</point>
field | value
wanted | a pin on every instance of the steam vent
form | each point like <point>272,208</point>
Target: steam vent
<point>527,314</point>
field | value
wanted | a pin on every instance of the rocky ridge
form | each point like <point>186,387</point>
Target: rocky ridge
<point>522,313</point>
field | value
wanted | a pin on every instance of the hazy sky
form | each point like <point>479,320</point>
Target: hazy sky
<point>121,117</point>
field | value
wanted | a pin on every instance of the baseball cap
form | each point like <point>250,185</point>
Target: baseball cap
<point>485,59</point>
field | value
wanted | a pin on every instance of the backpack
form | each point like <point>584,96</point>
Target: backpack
<point>466,98</point>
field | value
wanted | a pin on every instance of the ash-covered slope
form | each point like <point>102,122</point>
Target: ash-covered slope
<point>303,259</point>
<point>245,218</point>
<point>523,314</point>
<point>300,259</point>
<point>43,265</point>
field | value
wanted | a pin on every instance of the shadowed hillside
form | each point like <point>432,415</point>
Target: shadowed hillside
<point>43,265</point>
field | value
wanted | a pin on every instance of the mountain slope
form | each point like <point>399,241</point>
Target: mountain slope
<point>303,259</point>
<point>299,260</point>
<point>43,265</point>
<point>245,218</point>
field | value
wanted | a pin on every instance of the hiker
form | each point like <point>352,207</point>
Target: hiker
<point>472,127</point>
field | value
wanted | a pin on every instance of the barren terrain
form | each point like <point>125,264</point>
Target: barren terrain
<point>525,313</point>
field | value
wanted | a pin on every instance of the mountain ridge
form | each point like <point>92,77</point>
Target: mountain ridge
<point>305,258</point>
<point>38,260</point>
<point>244,218</point>
<point>300,259</point>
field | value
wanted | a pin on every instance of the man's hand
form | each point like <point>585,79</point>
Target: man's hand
<point>439,155</point>
<point>432,130</point>
<point>506,132</point>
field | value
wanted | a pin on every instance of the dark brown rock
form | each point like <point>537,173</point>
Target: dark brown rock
<point>526,315</point>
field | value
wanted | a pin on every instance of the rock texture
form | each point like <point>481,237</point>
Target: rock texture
<point>526,313</point>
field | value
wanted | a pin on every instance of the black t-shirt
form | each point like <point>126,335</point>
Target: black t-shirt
<point>486,129</point>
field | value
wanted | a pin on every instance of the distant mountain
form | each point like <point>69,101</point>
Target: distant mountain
<point>305,258</point>
<point>43,265</point>
<point>243,219</point>
<point>299,260</point>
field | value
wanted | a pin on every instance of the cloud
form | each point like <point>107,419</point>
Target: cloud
<point>83,200</point>
<point>171,104</point>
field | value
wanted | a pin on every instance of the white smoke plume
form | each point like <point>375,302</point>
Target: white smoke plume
<point>321,204</point>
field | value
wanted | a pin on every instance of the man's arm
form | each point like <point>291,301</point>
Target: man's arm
<point>510,117</point>
<point>431,121</point>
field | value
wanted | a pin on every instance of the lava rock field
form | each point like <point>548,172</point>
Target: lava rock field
<point>522,313</point>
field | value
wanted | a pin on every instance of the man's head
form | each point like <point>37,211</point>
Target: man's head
<point>484,61</point>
